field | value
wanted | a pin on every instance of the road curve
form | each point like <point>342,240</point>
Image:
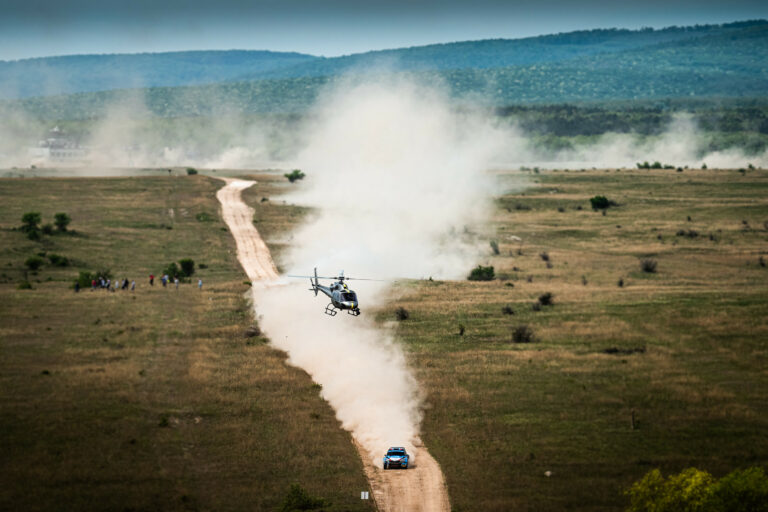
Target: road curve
<point>419,488</point>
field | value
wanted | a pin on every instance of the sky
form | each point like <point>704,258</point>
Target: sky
<point>37,28</point>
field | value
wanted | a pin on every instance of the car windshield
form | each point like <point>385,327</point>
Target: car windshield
<point>395,452</point>
<point>349,296</point>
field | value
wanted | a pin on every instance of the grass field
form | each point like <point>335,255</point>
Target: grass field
<point>685,348</point>
<point>158,402</point>
<point>152,400</point>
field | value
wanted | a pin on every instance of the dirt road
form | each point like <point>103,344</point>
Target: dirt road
<point>419,488</point>
<point>251,250</point>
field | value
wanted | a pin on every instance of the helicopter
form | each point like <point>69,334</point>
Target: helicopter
<point>342,297</point>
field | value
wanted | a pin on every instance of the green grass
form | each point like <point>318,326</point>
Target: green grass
<point>500,414</point>
<point>152,400</point>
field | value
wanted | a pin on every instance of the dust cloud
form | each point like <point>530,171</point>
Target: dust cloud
<point>395,174</point>
<point>680,144</point>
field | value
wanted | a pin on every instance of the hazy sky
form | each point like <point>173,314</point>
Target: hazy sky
<point>34,28</point>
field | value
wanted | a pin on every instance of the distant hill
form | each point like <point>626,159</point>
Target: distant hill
<point>50,76</point>
<point>499,53</point>
<point>712,61</point>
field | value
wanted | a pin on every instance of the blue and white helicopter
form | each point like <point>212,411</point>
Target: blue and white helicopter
<point>342,297</point>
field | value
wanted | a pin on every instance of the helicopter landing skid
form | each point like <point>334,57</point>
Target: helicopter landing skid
<point>331,310</point>
<point>353,312</point>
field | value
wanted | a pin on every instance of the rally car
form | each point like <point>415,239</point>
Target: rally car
<point>396,457</point>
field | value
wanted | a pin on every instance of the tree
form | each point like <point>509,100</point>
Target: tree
<point>34,262</point>
<point>600,202</point>
<point>61,220</point>
<point>294,175</point>
<point>187,267</point>
<point>694,490</point>
<point>31,221</point>
<point>172,270</point>
<point>481,273</point>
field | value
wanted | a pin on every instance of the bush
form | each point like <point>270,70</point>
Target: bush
<point>522,334</point>
<point>507,310</point>
<point>299,499</point>
<point>546,299</point>
<point>601,203</point>
<point>495,247</point>
<point>481,273</point>
<point>61,220</point>
<point>34,262</point>
<point>58,260</point>
<point>187,267</point>
<point>172,270</point>
<point>30,221</point>
<point>204,217</point>
<point>648,265</point>
<point>24,285</point>
<point>696,490</point>
<point>84,279</point>
<point>294,175</point>
<point>402,314</point>
<point>191,171</point>
<point>544,256</point>
<point>47,229</point>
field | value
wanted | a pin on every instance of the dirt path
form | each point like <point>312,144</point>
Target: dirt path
<point>419,488</point>
<point>251,250</point>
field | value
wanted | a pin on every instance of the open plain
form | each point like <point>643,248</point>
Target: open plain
<point>156,399</point>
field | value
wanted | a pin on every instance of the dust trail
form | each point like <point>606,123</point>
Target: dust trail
<point>396,175</point>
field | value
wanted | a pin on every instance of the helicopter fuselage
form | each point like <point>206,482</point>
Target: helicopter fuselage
<point>341,297</point>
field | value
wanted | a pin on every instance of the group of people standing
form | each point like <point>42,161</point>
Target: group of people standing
<point>166,280</point>
<point>109,285</point>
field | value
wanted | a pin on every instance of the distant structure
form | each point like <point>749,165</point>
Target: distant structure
<point>58,147</point>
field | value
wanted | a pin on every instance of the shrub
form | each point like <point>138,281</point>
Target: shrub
<point>58,260</point>
<point>696,490</point>
<point>24,285</point>
<point>461,329</point>
<point>481,273</point>
<point>536,306</point>
<point>30,221</point>
<point>690,233</point>
<point>546,299</point>
<point>187,267</point>
<point>544,256</point>
<point>191,171</point>
<point>204,217</point>
<point>620,283</point>
<point>601,203</point>
<point>84,279</point>
<point>507,310</point>
<point>299,499</point>
<point>402,314</point>
<point>34,262</point>
<point>47,229</point>
<point>495,247</point>
<point>294,175</point>
<point>61,220</point>
<point>522,334</point>
<point>172,270</point>
<point>648,265</point>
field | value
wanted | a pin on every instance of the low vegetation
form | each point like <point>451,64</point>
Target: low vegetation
<point>696,490</point>
<point>481,273</point>
<point>665,371</point>
<point>136,401</point>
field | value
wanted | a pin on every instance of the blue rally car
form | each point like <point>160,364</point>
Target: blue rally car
<point>396,457</point>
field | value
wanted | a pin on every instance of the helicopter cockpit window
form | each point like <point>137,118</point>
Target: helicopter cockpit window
<point>349,296</point>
